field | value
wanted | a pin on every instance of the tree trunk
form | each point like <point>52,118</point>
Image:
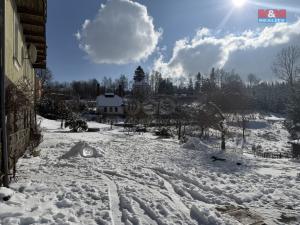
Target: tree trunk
<point>244,128</point>
<point>223,145</point>
<point>179,130</point>
<point>202,132</point>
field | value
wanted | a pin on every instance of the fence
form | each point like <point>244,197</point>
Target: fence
<point>273,155</point>
<point>17,144</point>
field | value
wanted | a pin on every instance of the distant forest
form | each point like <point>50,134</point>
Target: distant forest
<point>224,88</point>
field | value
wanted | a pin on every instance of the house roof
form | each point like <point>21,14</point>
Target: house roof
<point>33,16</point>
<point>109,100</point>
<point>295,142</point>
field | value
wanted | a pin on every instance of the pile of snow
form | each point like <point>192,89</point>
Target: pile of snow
<point>84,150</point>
<point>296,142</point>
<point>195,144</point>
<point>274,118</point>
<point>5,194</point>
<point>206,216</point>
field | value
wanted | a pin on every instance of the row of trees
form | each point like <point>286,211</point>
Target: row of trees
<point>287,68</point>
<point>218,84</point>
<point>226,89</point>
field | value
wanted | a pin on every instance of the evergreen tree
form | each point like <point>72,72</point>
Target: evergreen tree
<point>190,86</point>
<point>198,83</point>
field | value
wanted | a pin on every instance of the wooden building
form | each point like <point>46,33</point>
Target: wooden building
<point>295,148</point>
<point>23,43</point>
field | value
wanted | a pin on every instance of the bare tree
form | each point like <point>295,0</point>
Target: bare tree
<point>45,76</point>
<point>285,66</point>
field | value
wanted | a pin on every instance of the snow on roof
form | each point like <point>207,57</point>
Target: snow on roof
<point>297,142</point>
<point>274,118</point>
<point>109,99</point>
<point>109,94</point>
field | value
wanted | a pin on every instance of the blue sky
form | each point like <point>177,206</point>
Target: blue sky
<point>173,21</point>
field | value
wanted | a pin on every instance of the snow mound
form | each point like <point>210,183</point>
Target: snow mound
<point>206,216</point>
<point>84,150</point>
<point>5,193</point>
<point>274,118</point>
<point>195,144</point>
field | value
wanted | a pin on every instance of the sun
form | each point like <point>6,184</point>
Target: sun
<point>239,3</point>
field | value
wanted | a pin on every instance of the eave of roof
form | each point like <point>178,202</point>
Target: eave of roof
<point>33,17</point>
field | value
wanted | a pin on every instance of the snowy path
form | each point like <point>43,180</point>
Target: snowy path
<point>180,206</point>
<point>114,201</point>
<point>142,180</point>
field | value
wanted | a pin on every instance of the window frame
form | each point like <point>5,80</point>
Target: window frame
<point>16,38</point>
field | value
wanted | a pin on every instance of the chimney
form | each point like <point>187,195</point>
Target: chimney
<point>98,90</point>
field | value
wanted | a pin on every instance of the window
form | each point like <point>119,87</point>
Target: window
<point>110,109</point>
<point>16,46</point>
<point>105,109</point>
<point>24,120</point>
<point>116,109</point>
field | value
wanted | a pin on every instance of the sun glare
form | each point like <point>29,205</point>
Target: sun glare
<point>239,3</point>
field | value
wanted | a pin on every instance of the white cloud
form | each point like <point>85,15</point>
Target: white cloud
<point>122,32</point>
<point>251,51</point>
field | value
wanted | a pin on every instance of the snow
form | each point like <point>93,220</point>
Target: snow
<point>264,135</point>
<point>5,193</point>
<point>82,149</point>
<point>109,100</point>
<point>297,142</point>
<point>274,118</point>
<point>110,177</point>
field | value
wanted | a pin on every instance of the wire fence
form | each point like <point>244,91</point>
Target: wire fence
<point>273,155</point>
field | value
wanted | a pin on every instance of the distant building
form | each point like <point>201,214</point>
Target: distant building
<point>295,148</point>
<point>110,105</point>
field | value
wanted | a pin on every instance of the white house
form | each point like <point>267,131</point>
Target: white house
<point>110,104</point>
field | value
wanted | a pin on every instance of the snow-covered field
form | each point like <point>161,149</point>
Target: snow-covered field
<point>110,177</point>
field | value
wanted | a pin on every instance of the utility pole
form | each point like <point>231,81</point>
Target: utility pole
<point>4,152</point>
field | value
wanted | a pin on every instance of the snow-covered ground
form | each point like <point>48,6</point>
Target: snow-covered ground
<point>110,177</point>
<point>267,132</point>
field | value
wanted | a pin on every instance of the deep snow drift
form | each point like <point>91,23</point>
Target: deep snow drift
<point>110,177</point>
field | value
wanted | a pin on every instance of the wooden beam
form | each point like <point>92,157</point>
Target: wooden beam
<point>35,41</point>
<point>27,10</point>
<point>28,21</point>
<point>41,51</point>
<point>32,32</point>
<point>39,65</point>
<point>41,56</point>
<point>38,44</point>
<point>22,15</point>
<point>34,36</point>
<point>33,27</point>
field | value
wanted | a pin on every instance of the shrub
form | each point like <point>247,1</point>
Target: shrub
<point>76,125</point>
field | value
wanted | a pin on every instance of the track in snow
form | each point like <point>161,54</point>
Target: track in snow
<point>114,201</point>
